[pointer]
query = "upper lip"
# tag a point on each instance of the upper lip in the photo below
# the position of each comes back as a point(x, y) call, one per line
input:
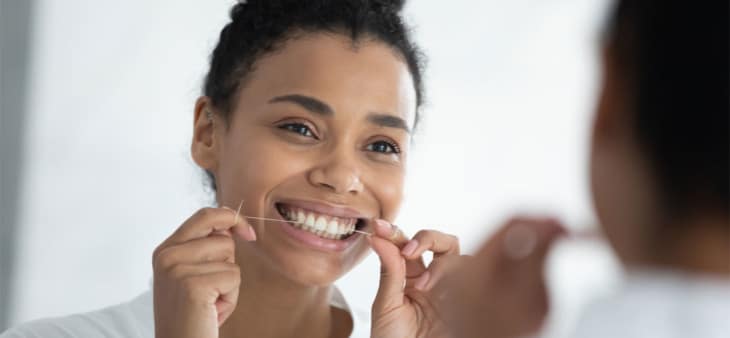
point(325, 208)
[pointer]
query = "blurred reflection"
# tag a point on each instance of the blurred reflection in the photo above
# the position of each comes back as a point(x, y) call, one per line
point(659, 175)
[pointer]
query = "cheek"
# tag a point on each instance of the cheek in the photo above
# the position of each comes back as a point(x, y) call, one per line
point(608, 191)
point(619, 201)
point(251, 167)
point(388, 190)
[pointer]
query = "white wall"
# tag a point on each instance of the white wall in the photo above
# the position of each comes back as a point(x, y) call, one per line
point(510, 87)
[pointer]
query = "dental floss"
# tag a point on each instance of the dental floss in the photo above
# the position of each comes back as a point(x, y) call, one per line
point(238, 212)
point(591, 233)
point(363, 232)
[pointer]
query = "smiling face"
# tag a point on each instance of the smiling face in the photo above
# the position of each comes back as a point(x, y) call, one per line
point(318, 136)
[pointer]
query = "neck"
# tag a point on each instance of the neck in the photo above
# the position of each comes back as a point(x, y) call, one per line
point(700, 246)
point(272, 305)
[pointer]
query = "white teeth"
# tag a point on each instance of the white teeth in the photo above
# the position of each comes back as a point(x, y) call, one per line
point(309, 221)
point(321, 224)
point(334, 227)
point(342, 229)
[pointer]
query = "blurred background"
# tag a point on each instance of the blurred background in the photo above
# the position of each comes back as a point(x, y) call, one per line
point(97, 99)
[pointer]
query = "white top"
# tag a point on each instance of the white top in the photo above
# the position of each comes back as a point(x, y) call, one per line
point(661, 304)
point(135, 319)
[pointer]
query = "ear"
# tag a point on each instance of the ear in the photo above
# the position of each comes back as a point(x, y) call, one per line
point(206, 141)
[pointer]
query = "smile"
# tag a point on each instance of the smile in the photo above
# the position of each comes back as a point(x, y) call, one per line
point(337, 227)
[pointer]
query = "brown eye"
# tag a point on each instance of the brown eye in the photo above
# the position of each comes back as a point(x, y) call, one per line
point(383, 147)
point(298, 128)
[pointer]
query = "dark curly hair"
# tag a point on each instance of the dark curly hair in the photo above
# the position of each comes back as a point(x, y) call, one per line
point(259, 27)
point(674, 56)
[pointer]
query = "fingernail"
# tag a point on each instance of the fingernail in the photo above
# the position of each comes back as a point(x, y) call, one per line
point(252, 233)
point(410, 247)
point(520, 241)
point(383, 225)
point(422, 281)
point(383, 228)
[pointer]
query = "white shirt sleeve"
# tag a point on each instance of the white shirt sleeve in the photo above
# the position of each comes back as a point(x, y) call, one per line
point(133, 319)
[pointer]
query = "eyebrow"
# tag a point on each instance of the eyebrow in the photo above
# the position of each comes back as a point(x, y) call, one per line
point(387, 120)
point(318, 107)
point(306, 102)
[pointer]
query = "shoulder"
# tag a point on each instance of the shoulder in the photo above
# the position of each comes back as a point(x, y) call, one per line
point(130, 319)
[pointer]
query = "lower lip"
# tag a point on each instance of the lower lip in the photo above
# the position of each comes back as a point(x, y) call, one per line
point(317, 242)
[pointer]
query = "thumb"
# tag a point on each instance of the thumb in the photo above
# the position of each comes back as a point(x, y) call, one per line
point(392, 275)
point(522, 239)
point(529, 242)
point(548, 232)
point(241, 226)
point(520, 263)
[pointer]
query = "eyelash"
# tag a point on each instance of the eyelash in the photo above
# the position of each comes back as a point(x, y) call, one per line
point(303, 130)
point(299, 128)
point(394, 147)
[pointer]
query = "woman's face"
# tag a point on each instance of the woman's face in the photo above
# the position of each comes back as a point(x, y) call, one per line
point(318, 135)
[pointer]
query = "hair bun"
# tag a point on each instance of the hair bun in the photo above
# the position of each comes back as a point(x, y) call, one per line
point(238, 9)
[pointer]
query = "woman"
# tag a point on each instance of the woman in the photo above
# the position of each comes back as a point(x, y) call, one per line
point(659, 175)
point(306, 119)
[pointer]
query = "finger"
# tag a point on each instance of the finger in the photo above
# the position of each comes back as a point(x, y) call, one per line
point(427, 240)
point(431, 240)
point(520, 237)
point(547, 234)
point(213, 285)
point(201, 250)
point(393, 234)
point(244, 230)
point(549, 231)
point(392, 275)
point(183, 271)
point(390, 232)
point(436, 272)
point(526, 268)
point(518, 253)
point(206, 221)
point(226, 304)
point(222, 278)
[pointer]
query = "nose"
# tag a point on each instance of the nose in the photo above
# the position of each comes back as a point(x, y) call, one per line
point(338, 174)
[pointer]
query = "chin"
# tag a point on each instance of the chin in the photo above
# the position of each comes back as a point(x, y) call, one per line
point(309, 268)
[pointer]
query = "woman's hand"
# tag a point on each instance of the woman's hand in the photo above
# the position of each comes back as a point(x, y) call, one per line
point(403, 306)
point(501, 291)
point(196, 278)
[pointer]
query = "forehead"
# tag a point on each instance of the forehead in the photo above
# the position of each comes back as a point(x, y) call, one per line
point(351, 77)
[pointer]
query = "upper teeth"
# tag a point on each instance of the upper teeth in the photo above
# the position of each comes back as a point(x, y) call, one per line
point(322, 225)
